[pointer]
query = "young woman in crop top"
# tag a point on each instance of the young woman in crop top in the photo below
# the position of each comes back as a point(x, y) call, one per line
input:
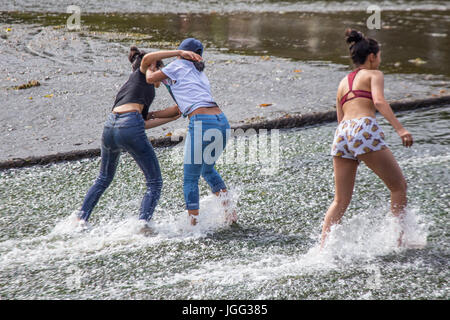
point(208, 125)
point(359, 137)
point(124, 130)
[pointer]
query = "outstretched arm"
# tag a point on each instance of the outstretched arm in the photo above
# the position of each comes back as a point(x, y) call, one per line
point(152, 123)
point(169, 112)
point(377, 87)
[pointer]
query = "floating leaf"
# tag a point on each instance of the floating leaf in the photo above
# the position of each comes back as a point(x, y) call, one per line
point(8, 29)
point(417, 61)
point(48, 95)
point(297, 70)
point(263, 105)
point(169, 134)
point(265, 58)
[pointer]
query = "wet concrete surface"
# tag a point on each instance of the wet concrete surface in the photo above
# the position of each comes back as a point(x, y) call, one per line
point(80, 73)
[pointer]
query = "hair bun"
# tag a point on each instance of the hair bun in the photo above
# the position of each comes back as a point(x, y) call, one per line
point(134, 53)
point(353, 36)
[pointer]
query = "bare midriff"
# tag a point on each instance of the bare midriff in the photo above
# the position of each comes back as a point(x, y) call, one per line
point(206, 110)
point(128, 107)
point(358, 108)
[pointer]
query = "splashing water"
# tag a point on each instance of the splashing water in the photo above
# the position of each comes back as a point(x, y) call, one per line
point(373, 233)
point(271, 253)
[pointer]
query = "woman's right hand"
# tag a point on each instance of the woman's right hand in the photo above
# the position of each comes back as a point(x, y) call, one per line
point(189, 55)
point(407, 139)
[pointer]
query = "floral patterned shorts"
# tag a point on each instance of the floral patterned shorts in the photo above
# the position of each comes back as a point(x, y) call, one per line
point(356, 137)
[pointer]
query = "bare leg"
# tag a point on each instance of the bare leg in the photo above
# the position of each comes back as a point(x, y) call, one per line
point(344, 180)
point(193, 214)
point(386, 167)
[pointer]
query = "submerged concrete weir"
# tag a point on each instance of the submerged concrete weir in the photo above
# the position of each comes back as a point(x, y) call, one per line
point(286, 122)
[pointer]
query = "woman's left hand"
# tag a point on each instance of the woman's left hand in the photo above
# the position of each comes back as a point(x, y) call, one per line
point(407, 139)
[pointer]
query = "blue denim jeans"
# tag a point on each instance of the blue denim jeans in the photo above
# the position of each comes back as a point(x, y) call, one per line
point(205, 142)
point(125, 132)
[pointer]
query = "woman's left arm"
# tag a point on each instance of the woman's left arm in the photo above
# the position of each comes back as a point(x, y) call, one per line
point(377, 88)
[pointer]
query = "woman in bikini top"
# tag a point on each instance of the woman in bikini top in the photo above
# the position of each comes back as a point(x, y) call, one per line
point(359, 137)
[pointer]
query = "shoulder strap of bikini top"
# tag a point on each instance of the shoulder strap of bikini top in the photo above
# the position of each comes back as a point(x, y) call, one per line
point(351, 77)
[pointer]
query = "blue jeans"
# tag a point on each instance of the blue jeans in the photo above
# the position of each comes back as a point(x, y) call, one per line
point(126, 132)
point(205, 142)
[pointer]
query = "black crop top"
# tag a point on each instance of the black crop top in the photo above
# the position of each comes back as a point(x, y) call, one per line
point(136, 90)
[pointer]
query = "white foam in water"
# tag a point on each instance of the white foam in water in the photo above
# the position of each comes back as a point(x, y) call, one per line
point(362, 238)
point(212, 216)
point(69, 239)
point(370, 234)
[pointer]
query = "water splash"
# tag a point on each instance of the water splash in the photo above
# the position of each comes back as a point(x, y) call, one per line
point(69, 239)
point(362, 238)
point(373, 233)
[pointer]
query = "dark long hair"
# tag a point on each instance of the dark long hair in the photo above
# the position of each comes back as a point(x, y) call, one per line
point(199, 65)
point(135, 57)
point(360, 46)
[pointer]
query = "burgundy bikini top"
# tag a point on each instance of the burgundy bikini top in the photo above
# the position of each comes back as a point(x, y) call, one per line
point(356, 93)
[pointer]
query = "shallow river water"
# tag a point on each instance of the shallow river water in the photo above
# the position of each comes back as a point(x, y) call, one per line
point(272, 253)
point(286, 55)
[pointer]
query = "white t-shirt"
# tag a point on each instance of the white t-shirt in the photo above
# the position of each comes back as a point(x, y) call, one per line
point(190, 87)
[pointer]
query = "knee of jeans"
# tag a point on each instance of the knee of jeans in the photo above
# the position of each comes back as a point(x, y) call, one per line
point(190, 178)
point(103, 182)
point(155, 184)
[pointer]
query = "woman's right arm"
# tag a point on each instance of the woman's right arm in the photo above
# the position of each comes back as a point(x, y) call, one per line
point(339, 112)
point(158, 121)
point(377, 88)
point(169, 112)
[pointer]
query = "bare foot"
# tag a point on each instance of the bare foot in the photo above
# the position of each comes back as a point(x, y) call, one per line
point(146, 229)
point(83, 224)
point(194, 220)
point(400, 242)
point(231, 218)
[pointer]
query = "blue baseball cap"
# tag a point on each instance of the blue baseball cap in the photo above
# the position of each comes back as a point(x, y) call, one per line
point(191, 44)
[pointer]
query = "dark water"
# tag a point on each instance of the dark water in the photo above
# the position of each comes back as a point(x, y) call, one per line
point(226, 6)
point(311, 36)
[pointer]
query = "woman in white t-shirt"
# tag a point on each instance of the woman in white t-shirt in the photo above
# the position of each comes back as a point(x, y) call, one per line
point(208, 125)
